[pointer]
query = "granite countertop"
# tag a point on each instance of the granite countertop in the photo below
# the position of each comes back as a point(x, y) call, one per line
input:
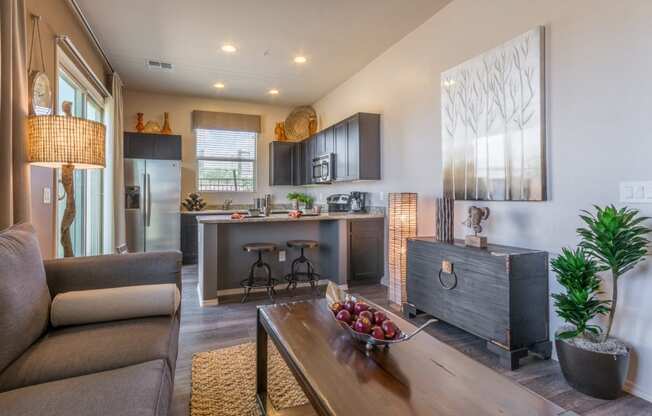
point(226, 219)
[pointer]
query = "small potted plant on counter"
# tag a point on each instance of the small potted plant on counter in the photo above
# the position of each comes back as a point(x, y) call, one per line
point(298, 197)
point(591, 360)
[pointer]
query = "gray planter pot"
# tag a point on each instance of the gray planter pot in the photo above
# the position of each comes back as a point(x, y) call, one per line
point(597, 374)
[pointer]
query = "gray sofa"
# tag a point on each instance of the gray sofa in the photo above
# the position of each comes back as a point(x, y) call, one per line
point(113, 368)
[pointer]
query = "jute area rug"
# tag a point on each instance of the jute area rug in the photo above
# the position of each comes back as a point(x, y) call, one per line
point(224, 382)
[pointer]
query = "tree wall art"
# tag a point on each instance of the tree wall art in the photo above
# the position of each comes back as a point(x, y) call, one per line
point(493, 123)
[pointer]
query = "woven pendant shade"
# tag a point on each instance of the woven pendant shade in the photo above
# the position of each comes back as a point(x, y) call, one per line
point(402, 224)
point(62, 140)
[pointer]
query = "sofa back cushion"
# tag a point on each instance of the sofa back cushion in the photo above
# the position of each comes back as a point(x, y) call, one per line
point(24, 295)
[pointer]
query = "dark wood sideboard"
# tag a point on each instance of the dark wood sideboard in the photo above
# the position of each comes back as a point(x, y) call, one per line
point(499, 293)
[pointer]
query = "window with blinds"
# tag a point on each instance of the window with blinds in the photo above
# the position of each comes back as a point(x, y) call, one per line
point(226, 160)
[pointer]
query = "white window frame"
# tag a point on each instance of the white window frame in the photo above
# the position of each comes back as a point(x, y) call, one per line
point(227, 159)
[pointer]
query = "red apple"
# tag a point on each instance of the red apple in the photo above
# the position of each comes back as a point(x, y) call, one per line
point(377, 332)
point(349, 305)
point(367, 315)
point(359, 307)
point(379, 317)
point(389, 328)
point(344, 316)
point(362, 325)
point(336, 307)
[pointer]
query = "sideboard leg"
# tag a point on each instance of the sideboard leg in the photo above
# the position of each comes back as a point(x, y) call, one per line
point(509, 359)
point(542, 349)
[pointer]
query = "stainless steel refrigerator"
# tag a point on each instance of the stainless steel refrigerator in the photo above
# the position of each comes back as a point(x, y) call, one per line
point(152, 199)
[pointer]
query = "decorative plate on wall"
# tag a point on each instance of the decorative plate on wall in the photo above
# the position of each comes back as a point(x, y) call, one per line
point(301, 123)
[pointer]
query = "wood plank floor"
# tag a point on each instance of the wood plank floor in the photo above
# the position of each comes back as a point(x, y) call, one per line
point(232, 323)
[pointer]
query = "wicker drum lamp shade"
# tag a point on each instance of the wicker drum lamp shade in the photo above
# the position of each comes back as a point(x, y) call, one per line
point(402, 224)
point(66, 142)
point(55, 141)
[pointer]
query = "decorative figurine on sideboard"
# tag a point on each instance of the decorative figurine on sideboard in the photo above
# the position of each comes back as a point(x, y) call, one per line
point(476, 216)
point(194, 202)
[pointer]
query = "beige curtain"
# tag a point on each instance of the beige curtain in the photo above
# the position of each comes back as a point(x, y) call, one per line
point(118, 164)
point(14, 169)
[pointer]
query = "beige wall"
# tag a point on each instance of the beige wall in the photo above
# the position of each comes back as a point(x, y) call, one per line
point(180, 109)
point(56, 19)
point(599, 61)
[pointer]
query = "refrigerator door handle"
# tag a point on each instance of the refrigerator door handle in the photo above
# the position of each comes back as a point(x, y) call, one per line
point(145, 199)
point(149, 201)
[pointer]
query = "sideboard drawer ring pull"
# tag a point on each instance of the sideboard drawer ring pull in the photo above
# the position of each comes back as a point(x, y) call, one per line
point(441, 282)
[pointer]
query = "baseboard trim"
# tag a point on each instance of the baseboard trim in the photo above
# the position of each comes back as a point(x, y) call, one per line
point(634, 390)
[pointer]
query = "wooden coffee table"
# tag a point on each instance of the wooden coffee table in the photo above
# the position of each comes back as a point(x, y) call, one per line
point(420, 377)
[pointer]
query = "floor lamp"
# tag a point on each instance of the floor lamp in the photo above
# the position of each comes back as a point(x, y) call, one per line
point(68, 143)
point(402, 225)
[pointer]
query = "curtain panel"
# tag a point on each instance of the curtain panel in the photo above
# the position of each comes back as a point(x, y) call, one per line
point(14, 168)
point(119, 227)
point(211, 120)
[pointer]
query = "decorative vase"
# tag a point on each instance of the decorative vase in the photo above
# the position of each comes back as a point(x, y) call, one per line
point(140, 127)
point(597, 374)
point(166, 124)
point(445, 218)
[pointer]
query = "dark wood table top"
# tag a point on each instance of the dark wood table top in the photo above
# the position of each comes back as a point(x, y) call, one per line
point(420, 377)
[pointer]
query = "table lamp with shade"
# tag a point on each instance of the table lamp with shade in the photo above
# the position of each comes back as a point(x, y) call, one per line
point(68, 143)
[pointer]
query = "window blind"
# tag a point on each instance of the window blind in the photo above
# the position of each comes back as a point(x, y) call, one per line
point(226, 160)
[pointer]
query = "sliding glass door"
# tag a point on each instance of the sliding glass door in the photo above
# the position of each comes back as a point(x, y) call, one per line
point(86, 229)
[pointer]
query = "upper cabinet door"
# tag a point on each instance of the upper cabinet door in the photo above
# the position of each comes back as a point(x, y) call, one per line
point(319, 144)
point(341, 152)
point(329, 140)
point(353, 148)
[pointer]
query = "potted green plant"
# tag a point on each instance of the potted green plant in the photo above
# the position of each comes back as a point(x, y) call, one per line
point(298, 197)
point(612, 240)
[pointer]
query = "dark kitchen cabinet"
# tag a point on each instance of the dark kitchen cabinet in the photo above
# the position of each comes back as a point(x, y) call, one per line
point(341, 152)
point(366, 251)
point(308, 155)
point(298, 165)
point(281, 163)
point(152, 146)
point(189, 244)
point(320, 144)
point(329, 140)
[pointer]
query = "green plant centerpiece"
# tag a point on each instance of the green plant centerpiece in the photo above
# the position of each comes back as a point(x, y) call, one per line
point(298, 197)
point(612, 240)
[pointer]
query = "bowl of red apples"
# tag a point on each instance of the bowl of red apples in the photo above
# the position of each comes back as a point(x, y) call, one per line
point(366, 323)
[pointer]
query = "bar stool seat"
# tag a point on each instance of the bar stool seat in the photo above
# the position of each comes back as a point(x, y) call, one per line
point(303, 243)
point(253, 282)
point(309, 275)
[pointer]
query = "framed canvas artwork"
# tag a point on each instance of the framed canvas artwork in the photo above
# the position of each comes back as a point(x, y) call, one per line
point(493, 123)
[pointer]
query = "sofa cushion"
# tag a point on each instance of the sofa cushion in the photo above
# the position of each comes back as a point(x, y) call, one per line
point(24, 295)
point(85, 349)
point(139, 390)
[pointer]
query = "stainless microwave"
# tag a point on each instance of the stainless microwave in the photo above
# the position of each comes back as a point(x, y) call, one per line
point(322, 168)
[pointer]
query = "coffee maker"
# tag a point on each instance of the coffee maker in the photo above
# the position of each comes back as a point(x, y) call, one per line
point(357, 201)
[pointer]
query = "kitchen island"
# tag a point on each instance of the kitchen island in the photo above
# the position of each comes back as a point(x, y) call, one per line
point(223, 263)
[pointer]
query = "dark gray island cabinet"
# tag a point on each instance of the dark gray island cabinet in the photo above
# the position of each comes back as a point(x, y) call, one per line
point(499, 293)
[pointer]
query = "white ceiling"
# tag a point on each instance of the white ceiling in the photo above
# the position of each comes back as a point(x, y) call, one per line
point(338, 37)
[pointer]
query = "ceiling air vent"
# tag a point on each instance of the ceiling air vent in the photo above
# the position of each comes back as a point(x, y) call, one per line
point(159, 66)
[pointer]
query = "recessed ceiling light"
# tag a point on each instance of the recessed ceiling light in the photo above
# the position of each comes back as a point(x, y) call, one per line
point(229, 48)
point(300, 60)
point(273, 91)
point(219, 85)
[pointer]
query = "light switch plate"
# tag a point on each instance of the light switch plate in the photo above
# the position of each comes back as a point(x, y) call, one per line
point(636, 192)
point(281, 255)
point(47, 195)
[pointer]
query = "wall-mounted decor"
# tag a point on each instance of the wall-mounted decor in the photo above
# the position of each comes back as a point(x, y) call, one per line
point(301, 123)
point(493, 123)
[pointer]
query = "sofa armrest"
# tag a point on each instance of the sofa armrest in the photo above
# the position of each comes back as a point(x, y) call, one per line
point(102, 272)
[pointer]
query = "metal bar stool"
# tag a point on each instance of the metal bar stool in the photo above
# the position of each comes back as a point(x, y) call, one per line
point(295, 276)
point(253, 281)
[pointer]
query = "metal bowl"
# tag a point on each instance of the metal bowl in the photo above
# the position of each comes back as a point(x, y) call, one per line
point(371, 342)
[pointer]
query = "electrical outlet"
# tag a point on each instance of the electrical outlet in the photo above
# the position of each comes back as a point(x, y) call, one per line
point(47, 195)
point(281, 256)
point(639, 192)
